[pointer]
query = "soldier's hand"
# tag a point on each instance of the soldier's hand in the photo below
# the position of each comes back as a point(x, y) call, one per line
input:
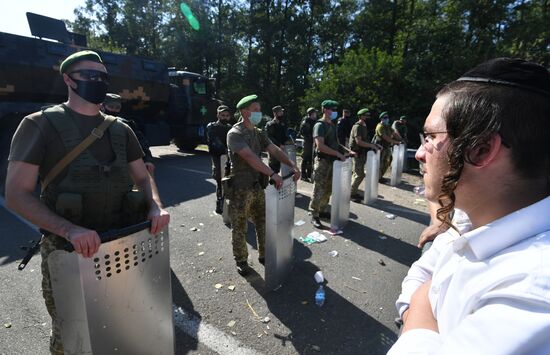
point(430, 233)
point(340, 156)
point(85, 241)
point(159, 219)
point(277, 180)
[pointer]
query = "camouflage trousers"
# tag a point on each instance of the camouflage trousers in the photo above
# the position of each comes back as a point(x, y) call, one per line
point(245, 204)
point(49, 244)
point(385, 160)
point(217, 175)
point(358, 172)
point(322, 186)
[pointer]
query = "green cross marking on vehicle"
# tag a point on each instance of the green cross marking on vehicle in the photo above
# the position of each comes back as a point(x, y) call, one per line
point(203, 110)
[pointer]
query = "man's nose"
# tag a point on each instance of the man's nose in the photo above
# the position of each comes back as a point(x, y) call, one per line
point(420, 154)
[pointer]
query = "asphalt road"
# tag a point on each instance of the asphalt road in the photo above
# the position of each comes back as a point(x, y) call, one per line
point(358, 314)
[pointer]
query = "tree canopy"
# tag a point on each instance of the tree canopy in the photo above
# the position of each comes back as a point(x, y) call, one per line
point(385, 55)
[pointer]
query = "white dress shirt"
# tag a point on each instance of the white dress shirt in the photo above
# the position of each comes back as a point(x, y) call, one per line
point(490, 290)
point(422, 269)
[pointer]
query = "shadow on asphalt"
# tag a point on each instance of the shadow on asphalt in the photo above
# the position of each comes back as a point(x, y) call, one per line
point(339, 327)
point(401, 211)
point(185, 343)
point(15, 234)
point(392, 247)
point(180, 185)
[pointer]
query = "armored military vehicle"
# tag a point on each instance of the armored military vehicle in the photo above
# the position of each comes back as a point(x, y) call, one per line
point(167, 104)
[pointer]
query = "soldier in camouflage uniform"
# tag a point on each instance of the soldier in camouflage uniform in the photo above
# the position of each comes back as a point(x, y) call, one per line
point(359, 143)
point(386, 138)
point(306, 131)
point(216, 136)
point(100, 176)
point(249, 176)
point(327, 150)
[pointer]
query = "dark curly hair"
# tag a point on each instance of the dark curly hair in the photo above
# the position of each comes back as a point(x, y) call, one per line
point(474, 112)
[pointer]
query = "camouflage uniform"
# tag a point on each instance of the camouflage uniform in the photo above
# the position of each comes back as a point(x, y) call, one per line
point(361, 131)
point(87, 180)
point(386, 153)
point(246, 198)
point(322, 180)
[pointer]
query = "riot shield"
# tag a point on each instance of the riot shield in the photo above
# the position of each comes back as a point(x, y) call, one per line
point(225, 212)
point(279, 220)
point(290, 150)
point(398, 155)
point(372, 169)
point(341, 191)
point(119, 301)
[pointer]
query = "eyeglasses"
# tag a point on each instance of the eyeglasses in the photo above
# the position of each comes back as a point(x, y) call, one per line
point(92, 75)
point(426, 138)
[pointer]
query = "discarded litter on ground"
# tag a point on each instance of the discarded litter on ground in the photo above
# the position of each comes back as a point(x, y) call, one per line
point(313, 237)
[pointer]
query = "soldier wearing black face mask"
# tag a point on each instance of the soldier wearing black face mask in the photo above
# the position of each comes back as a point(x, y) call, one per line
point(88, 195)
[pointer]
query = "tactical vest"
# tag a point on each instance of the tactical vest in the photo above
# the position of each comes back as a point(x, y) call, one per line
point(243, 175)
point(91, 194)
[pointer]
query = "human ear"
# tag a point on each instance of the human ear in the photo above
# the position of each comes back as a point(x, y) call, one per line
point(482, 154)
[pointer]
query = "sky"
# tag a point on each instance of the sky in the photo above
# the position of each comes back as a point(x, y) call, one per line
point(13, 17)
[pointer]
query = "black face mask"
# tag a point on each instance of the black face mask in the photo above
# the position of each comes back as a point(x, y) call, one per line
point(111, 113)
point(91, 91)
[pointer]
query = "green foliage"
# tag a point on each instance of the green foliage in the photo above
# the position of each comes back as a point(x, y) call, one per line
point(385, 54)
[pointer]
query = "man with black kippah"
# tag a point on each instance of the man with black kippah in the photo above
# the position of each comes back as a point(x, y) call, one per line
point(486, 153)
point(86, 196)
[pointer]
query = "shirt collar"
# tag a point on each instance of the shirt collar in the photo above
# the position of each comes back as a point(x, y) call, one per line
point(488, 240)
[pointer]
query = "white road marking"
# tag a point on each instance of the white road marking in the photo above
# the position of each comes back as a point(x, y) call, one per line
point(208, 335)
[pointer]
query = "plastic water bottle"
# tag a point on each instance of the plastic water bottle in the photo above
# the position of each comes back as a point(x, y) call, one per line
point(320, 296)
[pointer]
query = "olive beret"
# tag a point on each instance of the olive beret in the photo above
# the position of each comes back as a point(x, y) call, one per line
point(277, 108)
point(330, 104)
point(363, 111)
point(78, 57)
point(112, 99)
point(311, 109)
point(384, 114)
point(247, 100)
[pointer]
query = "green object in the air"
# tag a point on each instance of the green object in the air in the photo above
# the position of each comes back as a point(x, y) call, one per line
point(186, 11)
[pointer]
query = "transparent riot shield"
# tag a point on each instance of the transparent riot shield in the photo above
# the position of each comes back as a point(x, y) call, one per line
point(341, 191)
point(225, 212)
point(398, 155)
point(290, 150)
point(372, 170)
point(117, 302)
point(279, 213)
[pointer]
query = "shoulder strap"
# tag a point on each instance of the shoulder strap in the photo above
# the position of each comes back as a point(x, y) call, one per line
point(97, 133)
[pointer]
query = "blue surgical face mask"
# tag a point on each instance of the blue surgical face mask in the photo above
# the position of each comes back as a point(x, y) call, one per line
point(333, 115)
point(386, 121)
point(255, 118)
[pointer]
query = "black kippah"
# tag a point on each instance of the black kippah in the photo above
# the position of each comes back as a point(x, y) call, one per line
point(512, 72)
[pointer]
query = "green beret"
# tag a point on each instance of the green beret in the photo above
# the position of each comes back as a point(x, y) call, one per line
point(78, 57)
point(223, 108)
point(277, 108)
point(311, 109)
point(363, 111)
point(112, 99)
point(385, 113)
point(403, 118)
point(330, 104)
point(247, 100)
